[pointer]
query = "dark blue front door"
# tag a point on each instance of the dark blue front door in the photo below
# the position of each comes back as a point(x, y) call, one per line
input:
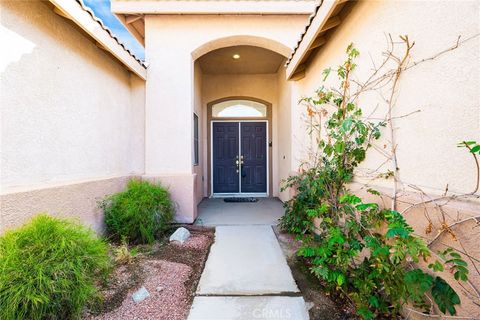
point(254, 152)
point(239, 157)
point(225, 155)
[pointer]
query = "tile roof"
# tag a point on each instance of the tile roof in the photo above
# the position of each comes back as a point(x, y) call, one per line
point(307, 26)
point(110, 32)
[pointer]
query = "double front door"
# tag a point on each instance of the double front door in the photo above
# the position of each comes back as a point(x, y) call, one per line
point(239, 157)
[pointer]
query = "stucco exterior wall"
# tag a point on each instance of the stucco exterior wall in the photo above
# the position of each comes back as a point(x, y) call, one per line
point(199, 168)
point(169, 90)
point(445, 89)
point(284, 129)
point(170, 94)
point(70, 114)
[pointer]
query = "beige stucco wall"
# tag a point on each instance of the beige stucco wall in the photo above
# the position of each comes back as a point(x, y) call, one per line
point(446, 90)
point(284, 130)
point(170, 92)
point(70, 113)
point(199, 168)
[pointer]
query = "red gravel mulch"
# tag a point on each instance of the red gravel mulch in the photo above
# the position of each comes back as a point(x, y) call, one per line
point(170, 273)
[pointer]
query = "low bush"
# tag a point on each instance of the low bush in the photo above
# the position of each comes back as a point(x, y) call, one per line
point(49, 268)
point(139, 214)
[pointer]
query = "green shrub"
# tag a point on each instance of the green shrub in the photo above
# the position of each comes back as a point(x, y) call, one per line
point(48, 269)
point(366, 253)
point(138, 214)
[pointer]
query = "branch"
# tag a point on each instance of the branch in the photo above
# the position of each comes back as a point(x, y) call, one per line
point(476, 219)
point(455, 46)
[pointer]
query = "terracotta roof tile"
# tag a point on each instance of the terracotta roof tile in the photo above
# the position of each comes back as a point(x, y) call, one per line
point(110, 32)
point(307, 26)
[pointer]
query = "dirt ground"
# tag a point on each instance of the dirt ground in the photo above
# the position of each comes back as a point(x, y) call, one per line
point(169, 271)
point(323, 306)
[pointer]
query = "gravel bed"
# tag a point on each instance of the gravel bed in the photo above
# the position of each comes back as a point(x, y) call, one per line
point(169, 272)
point(170, 303)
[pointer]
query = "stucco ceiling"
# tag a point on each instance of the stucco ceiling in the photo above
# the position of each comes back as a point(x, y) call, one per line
point(253, 60)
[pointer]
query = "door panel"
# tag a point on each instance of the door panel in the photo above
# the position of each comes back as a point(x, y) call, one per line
point(254, 152)
point(225, 151)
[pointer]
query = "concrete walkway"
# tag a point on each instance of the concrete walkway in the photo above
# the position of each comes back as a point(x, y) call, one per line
point(216, 212)
point(246, 277)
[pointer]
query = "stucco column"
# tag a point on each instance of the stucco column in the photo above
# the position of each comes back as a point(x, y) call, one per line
point(169, 120)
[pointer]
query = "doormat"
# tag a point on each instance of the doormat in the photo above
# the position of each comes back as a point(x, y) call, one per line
point(250, 199)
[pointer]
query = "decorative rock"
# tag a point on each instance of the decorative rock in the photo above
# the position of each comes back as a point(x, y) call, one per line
point(140, 295)
point(159, 289)
point(309, 305)
point(181, 235)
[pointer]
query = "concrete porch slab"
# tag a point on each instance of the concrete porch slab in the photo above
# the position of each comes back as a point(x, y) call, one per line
point(246, 260)
point(216, 212)
point(248, 308)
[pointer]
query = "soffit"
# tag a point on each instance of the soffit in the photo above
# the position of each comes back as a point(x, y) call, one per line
point(253, 60)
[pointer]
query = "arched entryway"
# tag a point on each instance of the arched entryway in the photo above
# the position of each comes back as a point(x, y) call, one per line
point(239, 140)
point(244, 75)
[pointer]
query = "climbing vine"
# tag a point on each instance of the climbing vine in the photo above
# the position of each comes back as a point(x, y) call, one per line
point(367, 253)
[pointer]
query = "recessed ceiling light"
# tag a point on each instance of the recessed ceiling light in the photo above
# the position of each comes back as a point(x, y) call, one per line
point(236, 56)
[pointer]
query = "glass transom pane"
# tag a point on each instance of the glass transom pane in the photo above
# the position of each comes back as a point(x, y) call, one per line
point(239, 109)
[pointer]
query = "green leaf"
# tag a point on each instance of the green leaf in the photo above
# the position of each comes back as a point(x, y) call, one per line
point(373, 301)
point(326, 73)
point(475, 149)
point(365, 313)
point(418, 283)
point(350, 198)
point(347, 124)
point(324, 207)
point(457, 262)
point(365, 206)
point(436, 266)
point(401, 232)
point(311, 213)
point(444, 296)
point(328, 149)
point(372, 191)
point(339, 147)
point(454, 254)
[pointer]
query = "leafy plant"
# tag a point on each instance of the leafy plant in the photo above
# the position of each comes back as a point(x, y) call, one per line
point(357, 248)
point(472, 146)
point(48, 269)
point(139, 214)
point(124, 254)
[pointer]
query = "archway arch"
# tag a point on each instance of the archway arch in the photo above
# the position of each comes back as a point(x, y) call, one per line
point(242, 40)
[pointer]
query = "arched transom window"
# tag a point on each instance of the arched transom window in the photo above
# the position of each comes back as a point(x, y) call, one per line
point(239, 109)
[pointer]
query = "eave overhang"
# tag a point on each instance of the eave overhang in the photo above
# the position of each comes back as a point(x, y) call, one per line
point(322, 22)
point(82, 16)
point(131, 13)
point(213, 6)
